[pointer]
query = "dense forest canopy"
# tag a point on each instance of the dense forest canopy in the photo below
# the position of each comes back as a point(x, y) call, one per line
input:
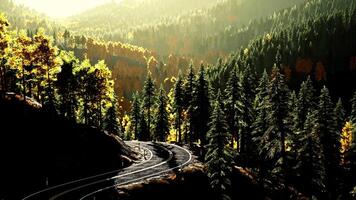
point(266, 86)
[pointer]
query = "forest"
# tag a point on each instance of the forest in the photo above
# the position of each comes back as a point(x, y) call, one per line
point(267, 87)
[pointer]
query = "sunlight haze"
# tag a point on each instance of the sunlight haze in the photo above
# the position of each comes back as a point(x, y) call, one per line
point(63, 8)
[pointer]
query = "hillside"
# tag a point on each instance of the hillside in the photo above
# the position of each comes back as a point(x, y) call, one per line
point(313, 39)
point(126, 15)
point(181, 32)
point(36, 147)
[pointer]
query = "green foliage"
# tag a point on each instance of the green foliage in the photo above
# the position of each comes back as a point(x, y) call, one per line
point(277, 119)
point(340, 115)
point(148, 100)
point(135, 114)
point(201, 107)
point(330, 140)
point(311, 160)
point(179, 106)
point(233, 104)
point(111, 120)
point(219, 156)
point(161, 125)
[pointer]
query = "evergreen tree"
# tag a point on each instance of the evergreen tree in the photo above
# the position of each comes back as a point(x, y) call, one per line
point(143, 132)
point(260, 125)
point(340, 115)
point(248, 82)
point(111, 120)
point(148, 99)
point(190, 84)
point(311, 160)
point(161, 125)
point(218, 157)
point(135, 114)
point(201, 107)
point(178, 107)
point(330, 140)
point(233, 104)
point(277, 118)
point(305, 103)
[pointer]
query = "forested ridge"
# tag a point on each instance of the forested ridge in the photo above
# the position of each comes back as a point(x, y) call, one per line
point(273, 93)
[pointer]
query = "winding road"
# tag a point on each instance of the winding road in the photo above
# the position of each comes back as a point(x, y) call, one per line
point(160, 158)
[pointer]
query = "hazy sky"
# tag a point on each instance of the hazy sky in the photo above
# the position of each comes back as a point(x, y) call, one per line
point(61, 8)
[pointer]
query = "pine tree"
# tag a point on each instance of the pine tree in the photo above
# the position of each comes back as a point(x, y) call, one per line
point(330, 140)
point(161, 125)
point(311, 160)
point(340, 115)
point(201, 107)
point(143, 132)
point(218, 157)
point(111, 120)
point(190, 84)
point(135, 114)
point(178, 107)
point(248, 82)
point(233, 104)
point(277, 118)
point(260, 125)
point(148, 99)
point(305, 103)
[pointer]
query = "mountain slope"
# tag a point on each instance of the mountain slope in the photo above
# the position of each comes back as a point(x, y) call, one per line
point(37, 147)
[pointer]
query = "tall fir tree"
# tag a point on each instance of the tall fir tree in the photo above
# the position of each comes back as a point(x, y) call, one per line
point(148, 100)
point(161, 125)
point(233, 104)
point(111, 119)
point(260, 126)
point(305, 103)
point(311, 160)
point(278, 127)
point(143, 131)
point(340, 115)
point(219, 156)
point(201, 107)
point(248, 82)
point(189, 85)
point(179, 106)
point(330, 140)
point(135, 114)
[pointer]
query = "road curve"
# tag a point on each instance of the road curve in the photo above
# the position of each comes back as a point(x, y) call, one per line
point(162, 158)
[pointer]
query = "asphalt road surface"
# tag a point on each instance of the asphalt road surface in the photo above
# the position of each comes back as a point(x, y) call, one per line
point(160, 158)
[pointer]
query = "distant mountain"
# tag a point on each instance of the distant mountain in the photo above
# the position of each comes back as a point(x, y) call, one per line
point(171, 27)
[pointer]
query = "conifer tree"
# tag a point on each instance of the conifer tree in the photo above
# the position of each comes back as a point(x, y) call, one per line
point(111, 119)
point(201, 107)
point(305, 103)
point(311, 160)
point(143, 132)
point(161, 125)
point(277, 118)
point(178, 107)
point(148, 99)
point(340, 115)
point(260, 125)
point(233, 104)
point(248, 82)
point(330, 140)
point(189, 85)
point(219, 156)
point(135, 114)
